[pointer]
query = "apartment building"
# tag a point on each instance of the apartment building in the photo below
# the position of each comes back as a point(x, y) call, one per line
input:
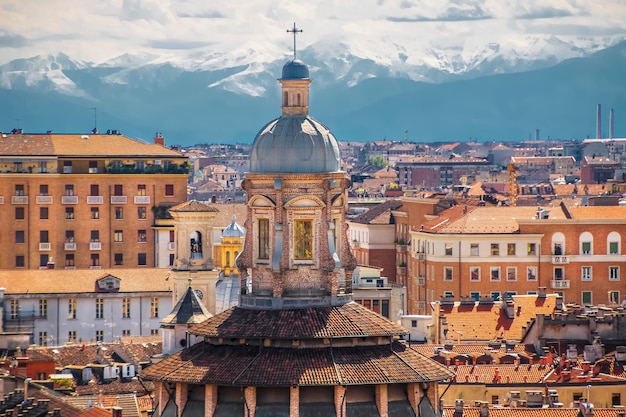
point(84, 201)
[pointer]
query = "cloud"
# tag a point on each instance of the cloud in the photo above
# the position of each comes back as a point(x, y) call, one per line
point(144, 10)
point(9, 40)
point(177, 44)
point(213, 14)
point(454, 13)
point(547, 13)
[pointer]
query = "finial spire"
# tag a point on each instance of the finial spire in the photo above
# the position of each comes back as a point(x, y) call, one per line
point(295, 31)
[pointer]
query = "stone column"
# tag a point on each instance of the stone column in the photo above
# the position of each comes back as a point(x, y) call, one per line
point(382, 400)
point(294, 401)
point(210, 400)
point(249, 396)
point(181, 397)
point(340, 400)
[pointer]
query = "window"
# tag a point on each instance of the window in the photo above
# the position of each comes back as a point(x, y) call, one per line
point(448, 294)
point(141, 236)
point(495, 249)
point(495, 295)
point(475, 295)
point(586, 248)
point(118, 236)
point(586, 297)
point(171, 259)
point(118, 189)
point(172, 236)
point(95, 259)
point(95, 213)
point(93, 165)
point(71, 336)
point(99, 335)
point(118, 259)
point(510, 249)
point(511, 273)
point(19, 213)
point(558, 249)
point(126, 307)
point(585, 273)
point(71, 308)
point(141, 213)
point(19, 261)
point(613, 273)
point(69, 213)
point(448, 249)
point(95, 235)
point(94, 190)
point(473, 249)
point(495, 273)
point(613, 248)
point(43, 213)
point(447, 273)
point(69, 259)
point(264, 239)
point(154, 307)
point(43, 308)
point(99, 308)
point(616, 399)
point(154, 332)
point(141, 259)
point(19, 190)
point(531, 273)
point(43, 260)
point(69, 189)
point(43, 189)
point(15, 309)
point(69, 236)
point(474, 273)
point(119, 213)
point(141, 189)
point(614, 297)
point(43, 236)
point(303, 239)
point(531, 248)
point(169, 190)
point(43, 338)
point(126, 332)
point(19, 236)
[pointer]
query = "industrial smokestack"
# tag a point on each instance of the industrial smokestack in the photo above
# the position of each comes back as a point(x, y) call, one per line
point(611, 124)
point(599, 123)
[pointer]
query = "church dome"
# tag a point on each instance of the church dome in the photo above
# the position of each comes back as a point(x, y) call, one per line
point(295, 70)
point(233, 230)
point(295, 144)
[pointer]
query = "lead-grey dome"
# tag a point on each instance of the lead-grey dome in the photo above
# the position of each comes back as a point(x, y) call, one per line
point(295, 144)
point(295, 70)
point(233, 229)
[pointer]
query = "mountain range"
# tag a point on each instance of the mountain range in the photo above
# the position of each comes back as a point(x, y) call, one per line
point(489, 94)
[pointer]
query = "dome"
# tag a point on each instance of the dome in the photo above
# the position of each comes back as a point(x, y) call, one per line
point(294, 70)
point(295, 144)
point(233, 230)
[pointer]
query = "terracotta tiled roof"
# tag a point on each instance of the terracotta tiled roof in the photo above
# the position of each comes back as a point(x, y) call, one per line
point(138, 349)
point(513, 374)
point(61, 402)
point(194, 206)
point(490, 322)
point(188, 310)
point(81, 145)
point(116, 387)
point(474, 350)
point(598, 212)
point(348, 320)
point(568, 189)
point(76, 355)
point(516, 412)
point(255, 366)
point(379, 214)
point(577, 375)
point(127, 402)
point(48, 281)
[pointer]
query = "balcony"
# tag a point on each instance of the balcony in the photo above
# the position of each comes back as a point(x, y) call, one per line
point(70, 245)
point(95, 267)
point(401, 247)
point(142, 199)
point(69, 199)
point(95, 199)
point(560, 259)
point(45, 246)
point(171, 245)
point(43, 199)
point(420, 256)
point(356, 244)
point(559, 284)
point(119, 199)
point(401, 270)
point(67, 169)
point(95, 245)
point(19, 199)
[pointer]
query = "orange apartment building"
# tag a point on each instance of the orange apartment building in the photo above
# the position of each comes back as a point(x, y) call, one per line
point(476, 252)
point(84, 201)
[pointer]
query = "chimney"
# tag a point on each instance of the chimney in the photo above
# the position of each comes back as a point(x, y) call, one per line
point(26, 382)
point(599, 123)
point(483, 410)
point(116, 412)
point(586, 409)
point(508, 305)
point(611, 113)
point(458, 408)
point(541, 292)
point(159, 139)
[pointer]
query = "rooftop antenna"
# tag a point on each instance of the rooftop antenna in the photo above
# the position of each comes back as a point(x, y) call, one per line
point(295, 31)
point(95, 119)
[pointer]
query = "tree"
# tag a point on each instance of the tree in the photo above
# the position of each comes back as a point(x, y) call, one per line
point(378, 161)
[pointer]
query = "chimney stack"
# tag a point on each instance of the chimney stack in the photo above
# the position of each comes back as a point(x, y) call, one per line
point(599, 123)
point(458, 408)
point(159, 139)
point(116, 412)
point(483, 410)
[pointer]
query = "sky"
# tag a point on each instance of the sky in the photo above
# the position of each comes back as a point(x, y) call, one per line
point(99, 30)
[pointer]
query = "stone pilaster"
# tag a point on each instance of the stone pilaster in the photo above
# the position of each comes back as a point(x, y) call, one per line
point(210, 400)
point(382, 400)
point(161, 396)
point(415, 394)
point(340, 400)
point(249, 395)
point(433, 396)
point(181, 397)
point(294, 401)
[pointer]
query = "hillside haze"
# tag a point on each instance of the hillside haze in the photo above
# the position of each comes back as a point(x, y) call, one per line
point(210, 100)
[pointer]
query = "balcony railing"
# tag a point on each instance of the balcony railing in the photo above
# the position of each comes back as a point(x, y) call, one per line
point(95, 245)
point(95, 199)
point(420, 256)
point(560, 259)
point(19, 199)
point(119, 199)
point(142, 199)
point(95, 267)
point(43, 199)
point(45, 246)
point(559, 283)
point(401, 248)
point(69, 199)
point(70, 245)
